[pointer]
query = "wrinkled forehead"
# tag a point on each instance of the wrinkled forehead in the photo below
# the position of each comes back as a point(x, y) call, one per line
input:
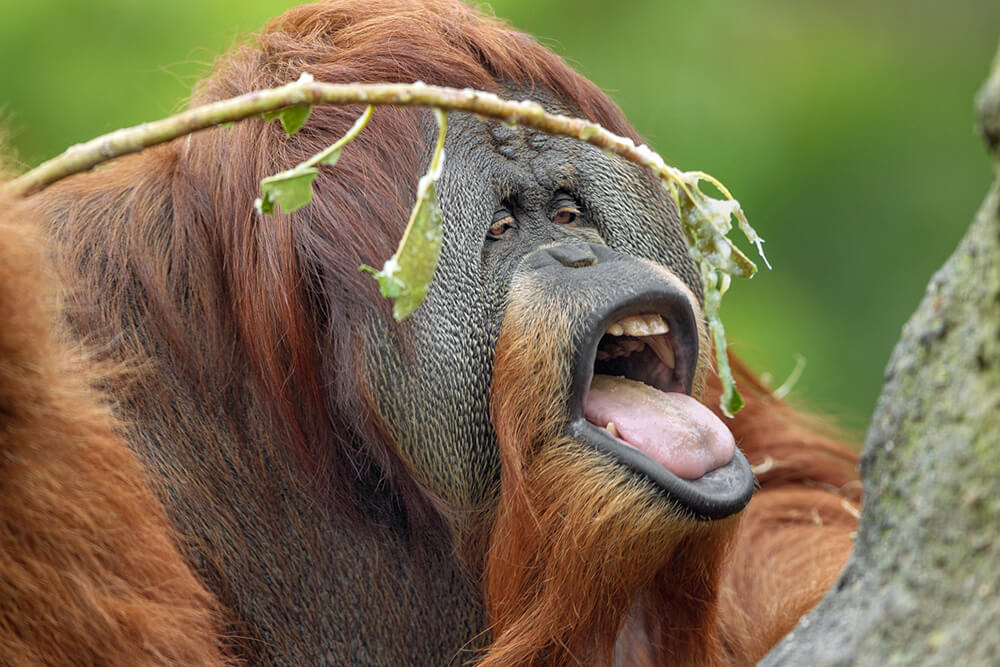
point(493, 164)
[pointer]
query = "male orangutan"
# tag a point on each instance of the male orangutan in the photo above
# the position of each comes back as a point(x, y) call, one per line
point(523, 472)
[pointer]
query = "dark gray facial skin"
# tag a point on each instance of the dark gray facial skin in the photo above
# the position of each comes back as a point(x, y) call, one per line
point(492, 172)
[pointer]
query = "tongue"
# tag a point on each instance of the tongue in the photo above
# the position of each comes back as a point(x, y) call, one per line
point(673, 429)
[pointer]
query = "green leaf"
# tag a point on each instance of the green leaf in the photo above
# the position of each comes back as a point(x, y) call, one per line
point(263, 205)
point(292, 118)
point(732, 402)
point(291, 190)
point(389, 285)
point(407, 275)
point(331, 159)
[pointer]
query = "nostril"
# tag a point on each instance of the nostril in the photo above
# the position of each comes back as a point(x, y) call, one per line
point(573, 256)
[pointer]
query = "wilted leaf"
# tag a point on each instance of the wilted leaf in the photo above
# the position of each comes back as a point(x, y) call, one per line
point(730, 401)
point(706, 221)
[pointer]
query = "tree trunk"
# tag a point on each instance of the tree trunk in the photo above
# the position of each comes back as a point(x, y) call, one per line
point(923, 584)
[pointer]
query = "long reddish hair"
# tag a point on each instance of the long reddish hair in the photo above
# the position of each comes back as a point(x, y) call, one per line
point(219, 284)
point(586, 566)
point(90, 571)
point(582, 550)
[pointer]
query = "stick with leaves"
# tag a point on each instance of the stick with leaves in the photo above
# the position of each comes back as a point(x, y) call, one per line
point(406, 276)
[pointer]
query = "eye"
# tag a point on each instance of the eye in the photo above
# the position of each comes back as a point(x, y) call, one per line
point(566, 215)
point(502, 222)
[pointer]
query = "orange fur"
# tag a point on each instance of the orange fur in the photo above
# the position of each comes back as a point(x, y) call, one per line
point(89, 573)
point(587, 564)
point(797, 532)
point(581, 547)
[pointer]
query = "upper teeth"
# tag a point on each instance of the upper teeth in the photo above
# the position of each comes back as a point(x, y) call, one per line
point(639, 325)
point(650, 328)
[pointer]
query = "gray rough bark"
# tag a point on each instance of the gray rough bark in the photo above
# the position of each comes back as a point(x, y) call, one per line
point(923, 584)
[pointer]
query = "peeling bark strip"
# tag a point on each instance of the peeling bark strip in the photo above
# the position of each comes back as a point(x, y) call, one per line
point(922, 586)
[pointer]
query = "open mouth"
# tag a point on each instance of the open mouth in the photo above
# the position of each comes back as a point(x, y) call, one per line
point(631, 399)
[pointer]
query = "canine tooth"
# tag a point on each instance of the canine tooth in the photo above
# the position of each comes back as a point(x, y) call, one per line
point(657, 325)
point(663, 350)
point(612, 429)
point(635, 325)
point(616, 329)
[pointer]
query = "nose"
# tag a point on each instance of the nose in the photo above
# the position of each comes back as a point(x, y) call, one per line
point(570, 255)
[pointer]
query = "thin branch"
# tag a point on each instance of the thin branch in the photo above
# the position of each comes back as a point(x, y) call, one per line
point(82, 157)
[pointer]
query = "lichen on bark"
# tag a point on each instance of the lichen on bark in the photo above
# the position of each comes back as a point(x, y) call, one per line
point(923, 584)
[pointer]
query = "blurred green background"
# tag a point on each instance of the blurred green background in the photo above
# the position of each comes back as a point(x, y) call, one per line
point(845, 129)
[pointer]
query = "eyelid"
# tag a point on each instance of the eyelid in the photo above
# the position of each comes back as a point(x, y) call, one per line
point(502, 213)
point(565, 199)
point(567, 209)
point(505, 222)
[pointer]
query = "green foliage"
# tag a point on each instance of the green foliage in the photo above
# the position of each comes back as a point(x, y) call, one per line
point(292, 189)
point(714, 279)
point(332, 158)
point(331, 155)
